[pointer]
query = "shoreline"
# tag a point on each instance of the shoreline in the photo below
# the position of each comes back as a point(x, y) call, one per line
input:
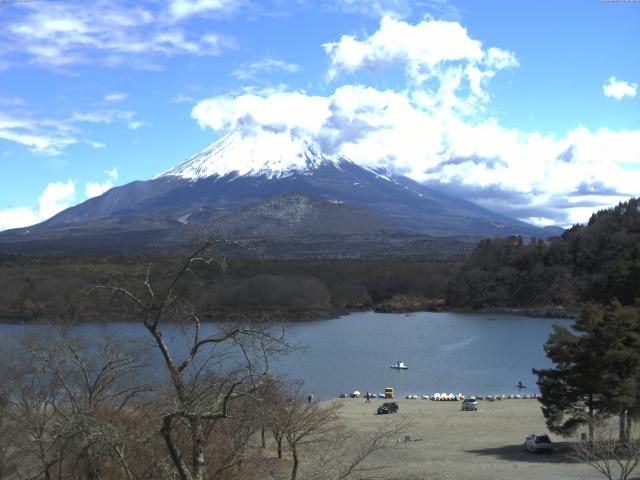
point(310, 316)
point(270, 317)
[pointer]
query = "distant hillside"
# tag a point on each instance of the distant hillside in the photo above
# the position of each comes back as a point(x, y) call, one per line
point(592, 263)
point(298, 202)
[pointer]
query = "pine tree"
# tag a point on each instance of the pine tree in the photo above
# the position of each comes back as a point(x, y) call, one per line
point(596, 372)
point(620, 331)
point(565, 387)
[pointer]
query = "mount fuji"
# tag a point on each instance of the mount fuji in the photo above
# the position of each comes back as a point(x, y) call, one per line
point(279, 194)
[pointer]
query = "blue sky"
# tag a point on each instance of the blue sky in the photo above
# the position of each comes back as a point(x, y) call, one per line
point(529, 108)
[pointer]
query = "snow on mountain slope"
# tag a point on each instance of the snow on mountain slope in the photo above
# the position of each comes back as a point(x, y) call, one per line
point(273, 156)
point(257, 186)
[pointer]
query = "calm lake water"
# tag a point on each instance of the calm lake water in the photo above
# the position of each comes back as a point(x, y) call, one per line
point(446, 352)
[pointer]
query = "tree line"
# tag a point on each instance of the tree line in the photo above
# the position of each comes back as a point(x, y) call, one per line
point(35, 287)
point(594, 263)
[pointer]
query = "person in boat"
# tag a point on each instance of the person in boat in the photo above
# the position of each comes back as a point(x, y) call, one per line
point(520, 386)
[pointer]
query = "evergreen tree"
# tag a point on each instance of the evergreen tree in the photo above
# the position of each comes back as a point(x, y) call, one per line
point(596, 372)
point(620, 332)
point(574, 379)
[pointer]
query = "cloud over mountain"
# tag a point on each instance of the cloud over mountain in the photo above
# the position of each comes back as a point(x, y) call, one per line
point(436, 130)
point(462, 104)
point(56, 197)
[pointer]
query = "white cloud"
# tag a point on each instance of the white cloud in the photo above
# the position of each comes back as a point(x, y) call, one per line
point(552, 178)
point(378, 8)
point(113, 173)
point(52, 136)
point(103, 116)
point(136, 124)
point(436, 130)
point(440, 60)
point(111, 33)
point(182, 98)
point(499, 59)
point(94, 189)
point(56, 197)
point(17, 217)
point(421, 48)
point(280, 111)
point(186, 8)
point(95, 144)
point(115, 97)
point(619, 89)
point(44, 136)
point(108, 117)
point(268, 65)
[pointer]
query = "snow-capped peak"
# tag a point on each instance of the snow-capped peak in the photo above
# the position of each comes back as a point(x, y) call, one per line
point(273, 156)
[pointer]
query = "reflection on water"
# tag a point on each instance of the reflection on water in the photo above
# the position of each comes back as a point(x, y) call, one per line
point(446, 352)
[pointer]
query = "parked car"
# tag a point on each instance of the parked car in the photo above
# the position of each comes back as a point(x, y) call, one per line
point(388, 407)
point(537, 442)
point(470, 403)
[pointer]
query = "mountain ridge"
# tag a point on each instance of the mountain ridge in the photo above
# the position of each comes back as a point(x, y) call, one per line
point(198, 193)
point(242, 156)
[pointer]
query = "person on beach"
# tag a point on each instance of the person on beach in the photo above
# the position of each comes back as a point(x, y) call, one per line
point(367, 398)
point(310, 397)
point(520, 386)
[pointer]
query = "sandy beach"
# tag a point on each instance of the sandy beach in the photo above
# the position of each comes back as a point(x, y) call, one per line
point(447, 443)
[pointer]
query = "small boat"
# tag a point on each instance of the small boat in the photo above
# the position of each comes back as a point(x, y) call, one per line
point(399, 366)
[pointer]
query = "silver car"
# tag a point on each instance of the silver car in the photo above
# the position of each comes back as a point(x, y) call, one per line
point(537, 442)
point(470, 403)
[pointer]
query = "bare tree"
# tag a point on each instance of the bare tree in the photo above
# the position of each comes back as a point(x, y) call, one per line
point(7, 451)
point(351, 453)
point(313, 431)
point(273, 414)
point(613, 458)
point(306, 424)
point(210, 374)
point(31, 397)
point(68, 401)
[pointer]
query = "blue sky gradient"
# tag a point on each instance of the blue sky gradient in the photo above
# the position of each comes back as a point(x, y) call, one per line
point(99, 94)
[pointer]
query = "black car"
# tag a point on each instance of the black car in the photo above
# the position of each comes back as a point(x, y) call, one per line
point(388, 407)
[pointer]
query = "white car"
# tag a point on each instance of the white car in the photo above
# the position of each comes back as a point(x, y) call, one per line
point(537, 442)
point(470, 403)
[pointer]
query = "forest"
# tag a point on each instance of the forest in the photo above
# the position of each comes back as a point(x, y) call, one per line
point(596, 262)
point(54, 288)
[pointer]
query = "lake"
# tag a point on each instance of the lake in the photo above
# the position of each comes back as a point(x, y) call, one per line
point(446, 352)
point(472, 353)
